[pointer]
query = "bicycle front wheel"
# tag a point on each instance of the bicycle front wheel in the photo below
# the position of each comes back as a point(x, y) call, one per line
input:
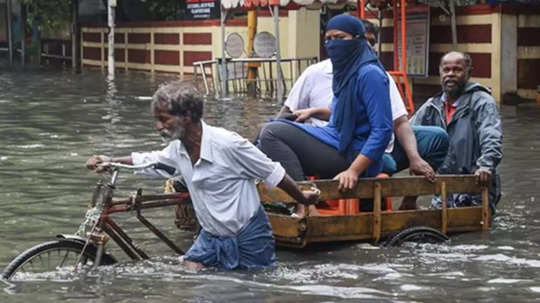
point(50, 257)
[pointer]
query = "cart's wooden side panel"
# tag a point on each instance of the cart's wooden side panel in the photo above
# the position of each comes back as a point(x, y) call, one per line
point(286, 226)
point(288, 231)
point(464, 219)
point(459, 219)
point(277, 194)
point(338, 228)
point(390, 187)
point(414, 186)
point(360, 226)
point(398, 220)
point(295, 232)
point(373, 225)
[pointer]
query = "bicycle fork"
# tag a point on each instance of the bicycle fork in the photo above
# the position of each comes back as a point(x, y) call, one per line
point(99, 239)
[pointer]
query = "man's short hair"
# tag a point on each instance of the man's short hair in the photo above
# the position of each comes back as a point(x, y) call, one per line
point(466, 57)
point(178, 98)
point(371, 27)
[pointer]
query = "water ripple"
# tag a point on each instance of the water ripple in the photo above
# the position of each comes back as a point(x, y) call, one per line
point(52, 121)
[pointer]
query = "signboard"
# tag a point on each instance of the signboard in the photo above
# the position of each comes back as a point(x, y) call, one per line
point(234, 45)
point(417, 38)
point(201, 9)
point(264, 44)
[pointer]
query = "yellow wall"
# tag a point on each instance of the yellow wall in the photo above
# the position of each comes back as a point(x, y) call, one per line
point(300, 26)
point(304, 39)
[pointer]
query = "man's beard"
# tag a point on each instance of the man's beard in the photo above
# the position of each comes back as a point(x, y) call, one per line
point(456, 91)
point(177, 133)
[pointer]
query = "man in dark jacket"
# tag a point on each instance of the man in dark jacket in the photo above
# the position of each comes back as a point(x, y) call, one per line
point(469, 114)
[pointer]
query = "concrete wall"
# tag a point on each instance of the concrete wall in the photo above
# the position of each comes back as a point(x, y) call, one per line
point(174, 46)
point(157, 46)
point(528, 53)
point(304, 38)
point(503, 41)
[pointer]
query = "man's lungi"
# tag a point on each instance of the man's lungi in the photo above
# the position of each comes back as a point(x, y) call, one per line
point(252, 247)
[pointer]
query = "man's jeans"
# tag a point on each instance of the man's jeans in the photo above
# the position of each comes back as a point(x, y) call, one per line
point(432, 144)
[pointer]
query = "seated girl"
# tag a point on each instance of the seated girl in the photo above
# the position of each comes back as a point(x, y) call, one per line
point(360, 127)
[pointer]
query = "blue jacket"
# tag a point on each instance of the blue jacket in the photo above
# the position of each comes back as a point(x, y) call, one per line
point(373, 126)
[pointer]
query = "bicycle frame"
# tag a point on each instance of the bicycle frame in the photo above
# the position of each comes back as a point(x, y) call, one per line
point(99, 226)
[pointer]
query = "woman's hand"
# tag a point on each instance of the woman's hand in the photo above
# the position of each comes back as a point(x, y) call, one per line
point(347, 179)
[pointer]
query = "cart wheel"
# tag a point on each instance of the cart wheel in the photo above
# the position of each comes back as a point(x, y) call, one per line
point(418, 234)
point(50, 256)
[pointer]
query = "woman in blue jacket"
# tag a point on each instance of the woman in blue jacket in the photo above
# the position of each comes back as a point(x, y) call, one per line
point(353, 142)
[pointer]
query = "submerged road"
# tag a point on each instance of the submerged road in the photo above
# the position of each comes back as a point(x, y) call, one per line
point(52, 121)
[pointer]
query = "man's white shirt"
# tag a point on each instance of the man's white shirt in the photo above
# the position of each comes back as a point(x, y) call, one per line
point(314, 89)
point(222, 182)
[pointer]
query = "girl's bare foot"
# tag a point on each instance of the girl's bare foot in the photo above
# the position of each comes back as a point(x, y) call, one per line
point(313, 211)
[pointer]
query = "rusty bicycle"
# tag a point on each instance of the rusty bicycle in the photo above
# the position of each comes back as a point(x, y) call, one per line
point(86, 247)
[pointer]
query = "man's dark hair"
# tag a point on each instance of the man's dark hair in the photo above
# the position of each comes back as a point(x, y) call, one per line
point(371, 27)
point(178, 98)
point(466, 57)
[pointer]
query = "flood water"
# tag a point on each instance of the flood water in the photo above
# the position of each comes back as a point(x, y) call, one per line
point(52, 121)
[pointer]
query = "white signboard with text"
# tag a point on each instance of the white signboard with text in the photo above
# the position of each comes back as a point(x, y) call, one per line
point(264, 44)
point(417, 38)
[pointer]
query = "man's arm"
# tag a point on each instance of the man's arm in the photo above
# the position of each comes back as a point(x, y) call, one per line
point(298, 97)
point(489, 129)
point(284, 112)
point(305, 197)
point(405, 136)
point(164, 157)
point(93, 162)
point(253, 163)
point(321, 113)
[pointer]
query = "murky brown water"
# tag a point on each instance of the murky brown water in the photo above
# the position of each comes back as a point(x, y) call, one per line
point(51, 121)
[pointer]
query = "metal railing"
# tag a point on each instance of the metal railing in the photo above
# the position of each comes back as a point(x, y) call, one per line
point(56, 49)
point(221, 80)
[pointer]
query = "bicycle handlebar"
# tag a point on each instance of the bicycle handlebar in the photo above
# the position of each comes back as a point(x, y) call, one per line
point(122, 165)
point(156, 165)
